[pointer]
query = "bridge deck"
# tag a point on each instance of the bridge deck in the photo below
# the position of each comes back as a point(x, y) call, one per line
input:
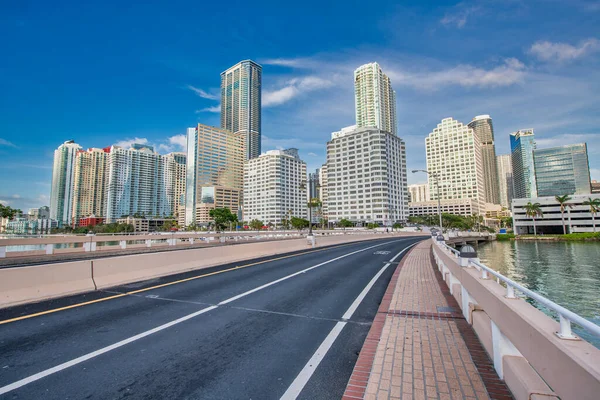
point(420, 346)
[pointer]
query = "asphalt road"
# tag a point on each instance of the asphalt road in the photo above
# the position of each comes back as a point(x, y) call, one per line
point(288, 327)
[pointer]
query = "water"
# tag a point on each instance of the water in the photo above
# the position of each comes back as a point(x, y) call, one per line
point(568, 273)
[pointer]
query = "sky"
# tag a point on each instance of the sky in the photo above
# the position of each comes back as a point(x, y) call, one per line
point(113, 72)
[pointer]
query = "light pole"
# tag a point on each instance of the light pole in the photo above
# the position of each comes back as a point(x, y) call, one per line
point(435, 176)
point(306, 185)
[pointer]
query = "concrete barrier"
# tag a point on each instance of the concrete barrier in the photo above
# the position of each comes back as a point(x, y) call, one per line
point(570, 368)
point(29, 284)
point(116, 271)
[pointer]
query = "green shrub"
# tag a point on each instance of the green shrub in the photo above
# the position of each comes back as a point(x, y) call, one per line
point(505, 236)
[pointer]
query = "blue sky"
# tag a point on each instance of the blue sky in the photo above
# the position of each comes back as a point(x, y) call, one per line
point(103, 73)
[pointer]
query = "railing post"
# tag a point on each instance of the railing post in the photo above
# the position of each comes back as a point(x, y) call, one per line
point(191, 240)
point(565, 329)
point(148, 242)
point(2, 251)
point(49, 249)
point(510, 292)
point(502, 347)
point(123, 244)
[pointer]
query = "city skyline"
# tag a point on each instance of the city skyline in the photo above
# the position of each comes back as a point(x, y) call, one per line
point(543, 80)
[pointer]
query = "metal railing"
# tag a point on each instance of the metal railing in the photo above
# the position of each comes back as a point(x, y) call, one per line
point(566, 317)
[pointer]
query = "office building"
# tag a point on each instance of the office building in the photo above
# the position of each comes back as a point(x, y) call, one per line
point(484, 130)
point(275, 187)
point(418, 192)
point(577, 217)
point(522, 144)
point(241, 103)
point(323, 193)
point(375, 100)
point(90, 190)
point(454, 155)
point(138, 183)
point(63, 172)
point(214, 172)
point(595, 186)
point(366, 177)
point(505, 179)
point(177, 164)
point(462, 207)
point(562, 170)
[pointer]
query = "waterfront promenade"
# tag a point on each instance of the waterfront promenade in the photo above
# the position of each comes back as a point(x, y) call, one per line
point(420, 346)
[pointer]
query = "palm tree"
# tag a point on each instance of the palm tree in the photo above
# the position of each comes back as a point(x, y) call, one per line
point(562, 200)
point(594, 208)
point(533, 210)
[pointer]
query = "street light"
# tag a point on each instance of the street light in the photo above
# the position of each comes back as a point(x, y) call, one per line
point(311, 180)
point(437, 186)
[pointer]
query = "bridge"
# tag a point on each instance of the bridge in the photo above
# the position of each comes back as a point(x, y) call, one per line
point(358, 316)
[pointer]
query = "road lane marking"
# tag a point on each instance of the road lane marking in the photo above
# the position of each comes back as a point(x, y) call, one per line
point(116, 296)
point(60, 367)
point(294, 390)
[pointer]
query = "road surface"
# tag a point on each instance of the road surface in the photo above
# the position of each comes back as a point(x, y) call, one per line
point(281, 327)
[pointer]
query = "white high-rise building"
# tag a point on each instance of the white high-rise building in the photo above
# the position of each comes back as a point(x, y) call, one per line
point(90, 184)
point(419, 192)
point(323, 194)
point(176, 164)
point(63, 173)
point(139, 182)
point(454, 155)
point(505, 180)
point(375, 100)
point(275, 187)
point(366, 177)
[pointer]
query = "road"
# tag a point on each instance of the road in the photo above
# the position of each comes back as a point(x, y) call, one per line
point(285, 327)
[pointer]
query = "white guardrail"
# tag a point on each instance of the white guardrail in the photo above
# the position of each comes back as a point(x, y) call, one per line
point(566, 317)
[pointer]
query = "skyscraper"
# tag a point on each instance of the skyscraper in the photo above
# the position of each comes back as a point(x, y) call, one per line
point(483, 128)
point(63, 172)
point(214, 171)
point(454, 155)
point(375, 100)
point(90, 184)
point(522, 144)
point(562, 170)
point(273, 187)
point(419, 192)
point(176, 164)
point(366, 177)
point(138, 183)
point(505, 180)
point(241, 103)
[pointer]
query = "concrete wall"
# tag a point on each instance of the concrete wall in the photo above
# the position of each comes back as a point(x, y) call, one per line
point(521, 340)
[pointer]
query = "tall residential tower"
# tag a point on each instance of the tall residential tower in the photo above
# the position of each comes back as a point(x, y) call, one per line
point(505, 180)
point(483, 128)
point(375, 100)
point(241, 103)
point(63, 174)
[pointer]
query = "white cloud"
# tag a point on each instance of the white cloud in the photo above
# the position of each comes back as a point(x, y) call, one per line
point(179, 141)
point(4, 142)
point(567, 138)
point(459, 16)
point(127, 143)
point(269, 143)
point(293, 88)
point(215, 109)
point(313, 154)
point(562, 52)
point(510, 72)
point(202, 93)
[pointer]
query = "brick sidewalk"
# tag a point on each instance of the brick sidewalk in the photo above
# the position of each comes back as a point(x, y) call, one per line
point(416, 347)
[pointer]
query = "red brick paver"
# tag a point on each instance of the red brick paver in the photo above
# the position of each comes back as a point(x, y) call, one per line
point(417, 350)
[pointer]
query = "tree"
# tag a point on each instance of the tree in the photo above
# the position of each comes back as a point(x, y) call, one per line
point(533, 210)
point(299, 223)
point(256, 224)
point(562, 200)
point(372, 226)
point(344, 223)
point(397, 225)
point(222, 217)
point(507, 221)
point(9, 212)
point(594, 205)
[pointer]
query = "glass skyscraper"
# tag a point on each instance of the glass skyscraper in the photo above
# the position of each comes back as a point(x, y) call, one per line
point(63, 174)
point(562, 170)
point(505, 180)
point(522, 144)
point(241, 103)
point(483, 128)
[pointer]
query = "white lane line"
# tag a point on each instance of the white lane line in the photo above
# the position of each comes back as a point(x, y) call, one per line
point(60, 367)
point(293, 391)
